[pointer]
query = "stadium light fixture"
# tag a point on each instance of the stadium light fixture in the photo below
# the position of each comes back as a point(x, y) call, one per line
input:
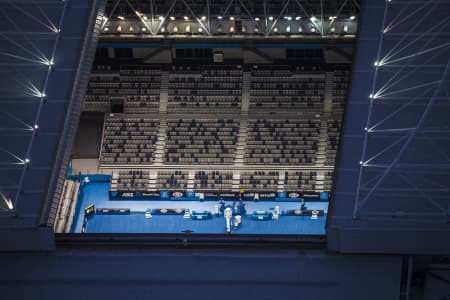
point(106, 29)
point(298, 18)
point(288, 28)
point(40, 95)
point(270, 18)
point(119, 28)
point(203, 18)
point(313, 18)
point(121, 18)
point(7, 201)
point(36, 126)
point(186, 18)
point(145, 18)
point(256, 19)
point(352, 17)
point(172, 18)
point(143, 29)
point(289, 18)
point(231, 18)
point(200, 29)
point(131, 28)
point(161, 18)
point(219, 17)
point(27, 160)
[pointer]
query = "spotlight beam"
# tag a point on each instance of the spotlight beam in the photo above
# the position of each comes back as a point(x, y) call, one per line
point(51, 26)
point(394, 50)
point(409, 139)
point(390, 82)
point(417, 54)
point(7, 201)
point(380, 95)
point(392, 24)
point(366, 163)
point(389, 116)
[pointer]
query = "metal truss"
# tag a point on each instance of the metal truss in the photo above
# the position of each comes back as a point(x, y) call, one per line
point(405, 162)
point(231, 17)
point(29, 35)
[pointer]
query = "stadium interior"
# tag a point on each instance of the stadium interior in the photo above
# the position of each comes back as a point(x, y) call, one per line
point(195, 136)
point(231, 136)
point(248, 149)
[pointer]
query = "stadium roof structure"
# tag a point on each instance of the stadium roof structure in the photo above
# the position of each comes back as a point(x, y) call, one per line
point(206, 18)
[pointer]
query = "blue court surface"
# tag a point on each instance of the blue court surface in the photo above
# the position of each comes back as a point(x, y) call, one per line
point(97, 193)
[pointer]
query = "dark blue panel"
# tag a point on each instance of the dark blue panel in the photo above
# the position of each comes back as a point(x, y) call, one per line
point(392, 192)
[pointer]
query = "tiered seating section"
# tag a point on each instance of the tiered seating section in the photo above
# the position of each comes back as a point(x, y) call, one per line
point(128, 139)
point(213, 180)
point(130, 180)
point(194, 138)
point(138, 86)
point(333, 132)
point(297, 180)
point(282, 142)
point(205, 88)
point(341, 80)
point(286, 90)
point(172, 180)
point(260, 180)
point(328, 181)
point(201, 141)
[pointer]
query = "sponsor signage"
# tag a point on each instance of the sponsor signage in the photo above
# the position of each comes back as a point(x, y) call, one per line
point(114, 195)
point(248, 195)
point(264, 195)
point(308, 195)
point(219, 194)
point(177, 194)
